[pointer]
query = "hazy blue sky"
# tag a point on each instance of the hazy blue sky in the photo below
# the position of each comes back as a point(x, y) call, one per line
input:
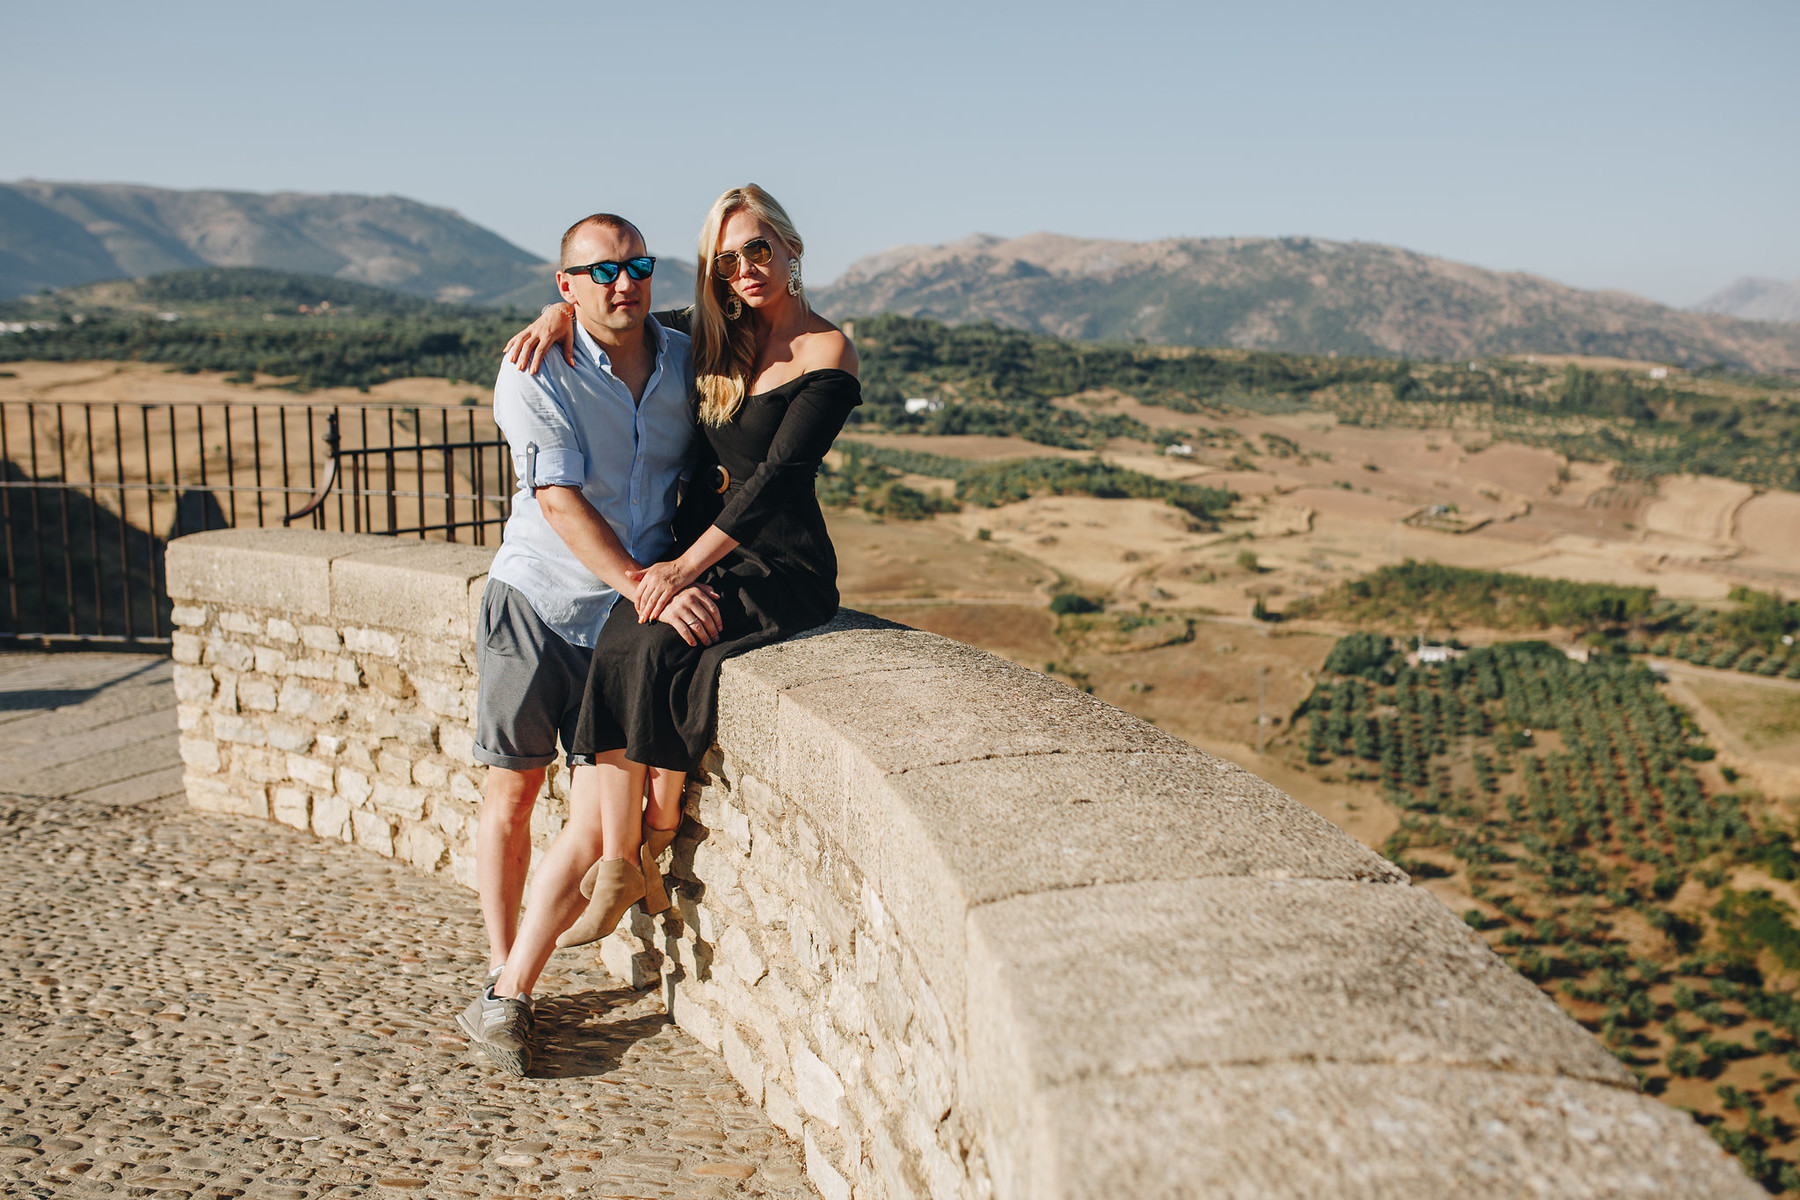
point(1647, 146)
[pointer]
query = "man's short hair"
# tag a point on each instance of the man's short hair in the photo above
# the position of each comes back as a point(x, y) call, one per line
point(604, 220)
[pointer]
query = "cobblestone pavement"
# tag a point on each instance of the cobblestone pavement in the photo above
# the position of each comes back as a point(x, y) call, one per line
point(224, 1007)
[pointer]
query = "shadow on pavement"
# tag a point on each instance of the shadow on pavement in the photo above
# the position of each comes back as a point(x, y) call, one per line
point(49, 698)
point(576, 1040)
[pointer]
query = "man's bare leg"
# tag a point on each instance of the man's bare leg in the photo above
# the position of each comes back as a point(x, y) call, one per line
point(503, 853)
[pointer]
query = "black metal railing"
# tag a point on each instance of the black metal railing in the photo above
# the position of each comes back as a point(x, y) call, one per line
point(92, 493)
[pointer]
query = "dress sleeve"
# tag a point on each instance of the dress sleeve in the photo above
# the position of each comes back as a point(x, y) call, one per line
point(814, 416)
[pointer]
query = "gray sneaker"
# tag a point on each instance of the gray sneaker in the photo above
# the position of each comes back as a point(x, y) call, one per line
point(501, 1027)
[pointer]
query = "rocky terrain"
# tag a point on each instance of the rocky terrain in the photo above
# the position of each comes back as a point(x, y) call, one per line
point(1301, 294)
point(1756, 300)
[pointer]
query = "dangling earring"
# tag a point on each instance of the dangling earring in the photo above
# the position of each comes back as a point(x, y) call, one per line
point(735, 309)
point(793, 277)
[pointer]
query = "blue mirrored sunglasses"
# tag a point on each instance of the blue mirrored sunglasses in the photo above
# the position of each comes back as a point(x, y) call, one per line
point(606, 272)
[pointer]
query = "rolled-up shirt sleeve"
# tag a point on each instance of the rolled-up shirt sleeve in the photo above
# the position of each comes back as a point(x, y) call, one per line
point(814, 417)
point(539, 434)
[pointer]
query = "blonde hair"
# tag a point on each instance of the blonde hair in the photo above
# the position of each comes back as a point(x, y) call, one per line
point(725, 350)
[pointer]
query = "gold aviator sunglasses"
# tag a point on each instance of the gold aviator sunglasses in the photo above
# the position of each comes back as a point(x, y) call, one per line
point(757, 252)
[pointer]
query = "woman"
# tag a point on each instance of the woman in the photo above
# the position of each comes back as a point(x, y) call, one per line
point(774, 382)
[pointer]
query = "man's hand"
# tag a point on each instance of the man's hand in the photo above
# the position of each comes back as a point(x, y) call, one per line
point(657, 584)
point(694, 614)
point(528, 346)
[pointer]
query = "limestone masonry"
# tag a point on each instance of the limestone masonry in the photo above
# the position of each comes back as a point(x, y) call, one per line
point(960, 930)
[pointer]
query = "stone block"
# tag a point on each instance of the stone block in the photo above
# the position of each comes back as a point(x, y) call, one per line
point(1279, 1130)
point(416, 587)
point(193, 685)
point(297, 700)
point(225, 698)
point(632, 966)
point(836, 739)
point(738, 954)
point(321, 637)
point(228, 728)
point(408, 802)
point(237, 622)
point(202, 754)
point(190, 615)
point(279, 630)
point(458, 742)
point(817, 1087)
point(420, 847)
point(371, 641)
point(417, 731)
point(464, 789)
point(353, 786)
point(393, 765)
point(282, 570)
point(233, 656)
point(186, 647)
point(445, 699)
point(292, 806)
point(384, 677)
point(1233, 970)
point(741, 1061)
point(373, 832)
point(284, 735)
point(694, 1016)
point(256, 693)
point(270, 661)
point(782, 1110)
point(238, 797)
point(311, 772)
point(331, 818)
point(191, 718)
point(431, 773)
point(824, 1175)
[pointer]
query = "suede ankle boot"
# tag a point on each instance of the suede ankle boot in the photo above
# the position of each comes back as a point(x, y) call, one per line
point(611, 886)
point(656, 897)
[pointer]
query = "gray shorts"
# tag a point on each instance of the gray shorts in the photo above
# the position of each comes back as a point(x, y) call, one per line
point(531, 683)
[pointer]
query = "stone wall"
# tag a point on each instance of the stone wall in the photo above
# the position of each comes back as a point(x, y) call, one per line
point(960, 930)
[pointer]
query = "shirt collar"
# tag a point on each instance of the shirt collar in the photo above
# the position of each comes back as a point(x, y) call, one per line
point(586, 345)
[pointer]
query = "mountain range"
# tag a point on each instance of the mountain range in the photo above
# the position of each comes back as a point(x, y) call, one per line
point(53, 235)
point(1296, 293)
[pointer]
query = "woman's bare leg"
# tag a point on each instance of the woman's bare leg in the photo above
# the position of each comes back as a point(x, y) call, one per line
point(663, 807)
point(605, 819)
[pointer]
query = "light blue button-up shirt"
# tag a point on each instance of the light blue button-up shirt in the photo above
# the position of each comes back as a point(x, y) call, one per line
point(578, 426)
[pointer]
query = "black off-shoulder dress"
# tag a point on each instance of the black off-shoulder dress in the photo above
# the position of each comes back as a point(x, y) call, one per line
point(649, 692)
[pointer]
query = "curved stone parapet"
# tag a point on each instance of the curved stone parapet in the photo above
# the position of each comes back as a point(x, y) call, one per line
point(962, 931)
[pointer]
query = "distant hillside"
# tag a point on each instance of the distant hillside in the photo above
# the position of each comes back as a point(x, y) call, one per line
point(53, 235)
point(226, 292)
point(1297, 294)
point(1756, 300)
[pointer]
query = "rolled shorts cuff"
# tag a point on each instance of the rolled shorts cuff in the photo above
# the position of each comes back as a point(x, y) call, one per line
point(511, 762)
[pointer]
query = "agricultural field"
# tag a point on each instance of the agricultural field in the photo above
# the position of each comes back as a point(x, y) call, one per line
point(1563, 808)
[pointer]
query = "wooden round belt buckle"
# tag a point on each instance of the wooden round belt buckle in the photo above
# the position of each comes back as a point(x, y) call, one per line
point(724, 480)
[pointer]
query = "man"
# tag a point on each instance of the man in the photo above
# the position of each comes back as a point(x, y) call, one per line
point(599, 446)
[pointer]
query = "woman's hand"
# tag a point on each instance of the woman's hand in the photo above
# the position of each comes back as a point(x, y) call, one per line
point(555, 324)
point(694, 615)
point(657, 584)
